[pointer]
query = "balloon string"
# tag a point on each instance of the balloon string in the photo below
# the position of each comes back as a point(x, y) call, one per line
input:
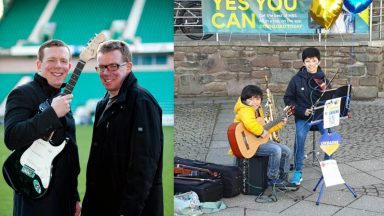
point(325, 56)
point(338, 31)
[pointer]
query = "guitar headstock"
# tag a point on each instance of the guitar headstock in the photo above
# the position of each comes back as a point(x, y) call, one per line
point(91, 50)
point(289, 110)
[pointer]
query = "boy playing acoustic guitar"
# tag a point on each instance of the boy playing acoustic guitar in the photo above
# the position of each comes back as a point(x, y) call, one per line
point(248, 109)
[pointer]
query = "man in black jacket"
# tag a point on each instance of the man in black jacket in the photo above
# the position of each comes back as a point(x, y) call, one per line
point(302, 92)
point(125, 163)
point(24, 124)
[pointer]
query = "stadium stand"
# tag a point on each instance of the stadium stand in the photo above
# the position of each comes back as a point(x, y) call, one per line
point(18, 23)
point(77, 20)
point(149, 30)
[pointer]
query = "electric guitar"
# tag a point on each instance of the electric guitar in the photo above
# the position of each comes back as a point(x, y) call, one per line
point(243, 143)
point(29, 170)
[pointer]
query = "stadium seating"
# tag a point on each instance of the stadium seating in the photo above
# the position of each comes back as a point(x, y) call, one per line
point(76, 21)
point(19, 20)
point(151, 31)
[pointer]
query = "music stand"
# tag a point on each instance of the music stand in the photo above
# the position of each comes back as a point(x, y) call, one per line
point(344, 93)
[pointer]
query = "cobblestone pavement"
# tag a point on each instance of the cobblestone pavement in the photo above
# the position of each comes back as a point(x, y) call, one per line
point(200, 133)
point(362, 134)
point(193, 129)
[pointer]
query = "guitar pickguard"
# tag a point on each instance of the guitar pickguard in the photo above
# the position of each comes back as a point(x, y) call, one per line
point(39, 157)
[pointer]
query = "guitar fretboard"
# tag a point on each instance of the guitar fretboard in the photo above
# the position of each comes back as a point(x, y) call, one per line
point(74, 77)
point(269, 125)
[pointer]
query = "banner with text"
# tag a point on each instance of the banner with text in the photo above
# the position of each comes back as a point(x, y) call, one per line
point(274, 16)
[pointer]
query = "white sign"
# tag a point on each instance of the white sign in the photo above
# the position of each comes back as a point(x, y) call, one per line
point(331, 173)
point(332, 113)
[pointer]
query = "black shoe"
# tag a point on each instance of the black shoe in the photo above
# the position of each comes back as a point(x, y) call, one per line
point(283, 185)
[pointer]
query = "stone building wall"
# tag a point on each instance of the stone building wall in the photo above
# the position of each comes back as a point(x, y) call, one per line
point(224, 68)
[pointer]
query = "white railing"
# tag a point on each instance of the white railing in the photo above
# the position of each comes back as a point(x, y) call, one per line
point(376, 21)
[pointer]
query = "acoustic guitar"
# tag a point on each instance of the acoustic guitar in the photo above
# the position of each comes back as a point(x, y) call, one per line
point(29, 170)
point(243, 143)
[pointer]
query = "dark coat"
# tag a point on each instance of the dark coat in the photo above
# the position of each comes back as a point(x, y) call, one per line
point(302, 91)
point(124, 169)
point(23, 125)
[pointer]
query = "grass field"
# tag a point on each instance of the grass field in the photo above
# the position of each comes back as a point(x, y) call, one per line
point(84, 134)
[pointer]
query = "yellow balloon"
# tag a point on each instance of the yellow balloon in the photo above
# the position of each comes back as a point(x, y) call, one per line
point(325, 12)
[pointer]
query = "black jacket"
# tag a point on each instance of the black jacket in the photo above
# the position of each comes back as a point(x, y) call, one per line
point(302, 91)
point(125, 163)
point(23, 125)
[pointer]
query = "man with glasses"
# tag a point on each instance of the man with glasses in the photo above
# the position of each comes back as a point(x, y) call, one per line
point(302, 92)
point(35, 110)
point(125, 163)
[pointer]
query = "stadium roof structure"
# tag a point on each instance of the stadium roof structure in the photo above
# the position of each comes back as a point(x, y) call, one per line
point(145, 24)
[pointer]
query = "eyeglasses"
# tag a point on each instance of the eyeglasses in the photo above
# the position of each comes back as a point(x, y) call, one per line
point(110, 67)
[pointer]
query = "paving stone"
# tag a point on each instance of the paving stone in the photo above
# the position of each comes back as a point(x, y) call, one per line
point(337, 198)
point(220, 156)
point(367, 165)
point(252, 212)
point(356, 212)
point(232, 211)
point(360, 179)
point(369, 203)
point(377, 173)
point(310, 208)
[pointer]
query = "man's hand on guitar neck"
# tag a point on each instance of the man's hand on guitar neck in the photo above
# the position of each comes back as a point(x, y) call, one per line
point(61, 104)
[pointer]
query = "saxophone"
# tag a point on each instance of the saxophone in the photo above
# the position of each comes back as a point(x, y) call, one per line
point(271, 112)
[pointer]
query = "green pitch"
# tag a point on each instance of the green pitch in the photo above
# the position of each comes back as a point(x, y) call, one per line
point(84, 134)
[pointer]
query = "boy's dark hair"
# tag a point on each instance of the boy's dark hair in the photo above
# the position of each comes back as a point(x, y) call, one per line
point(250, 91)
point(51, 43)
point(310, 52)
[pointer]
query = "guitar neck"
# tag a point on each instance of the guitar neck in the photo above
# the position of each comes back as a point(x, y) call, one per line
point(269, 125)
point(74, 77)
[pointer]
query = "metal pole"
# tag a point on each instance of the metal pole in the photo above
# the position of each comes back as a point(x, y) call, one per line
point(370, 22)
point(381, 18)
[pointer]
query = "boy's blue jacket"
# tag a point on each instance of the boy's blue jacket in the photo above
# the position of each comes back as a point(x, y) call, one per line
point(302, 91)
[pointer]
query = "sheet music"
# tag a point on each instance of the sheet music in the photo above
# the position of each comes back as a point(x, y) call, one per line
point(332, 113)
point(331, 173)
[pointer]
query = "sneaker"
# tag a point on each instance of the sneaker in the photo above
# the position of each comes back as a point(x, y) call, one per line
point(283, 176)
point(296, 178)
point(282, 184)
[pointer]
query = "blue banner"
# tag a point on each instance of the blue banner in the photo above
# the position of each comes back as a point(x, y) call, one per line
point(273, 16)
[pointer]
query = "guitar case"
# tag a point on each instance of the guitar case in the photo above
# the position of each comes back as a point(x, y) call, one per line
point(208, 191)
point(230, 175)
point(254, 175)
